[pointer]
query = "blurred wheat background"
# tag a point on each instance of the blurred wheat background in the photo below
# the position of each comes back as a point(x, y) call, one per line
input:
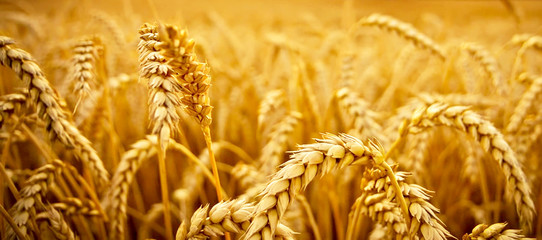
point(160, 119)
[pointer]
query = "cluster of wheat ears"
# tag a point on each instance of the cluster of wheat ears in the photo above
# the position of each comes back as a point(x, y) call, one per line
point(367, 129)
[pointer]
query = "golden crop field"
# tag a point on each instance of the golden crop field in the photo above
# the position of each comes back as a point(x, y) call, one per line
point(162, 119)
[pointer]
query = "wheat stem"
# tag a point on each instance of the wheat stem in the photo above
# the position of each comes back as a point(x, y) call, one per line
point(165, 193)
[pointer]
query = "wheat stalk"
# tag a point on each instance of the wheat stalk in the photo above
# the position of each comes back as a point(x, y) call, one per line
point(49, 108)
point(492, 141)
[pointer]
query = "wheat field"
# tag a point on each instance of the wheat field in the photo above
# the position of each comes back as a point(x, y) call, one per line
point(161, 119)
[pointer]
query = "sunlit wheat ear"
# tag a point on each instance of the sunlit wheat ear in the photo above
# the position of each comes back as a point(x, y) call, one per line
point(230, 216)
point(404, 30)
point(58, 226)
point(193, 75)
point(305, 164)
point(272, 153)
point(85, 54)
point(493, 232)
point(163, 87)
point(49, 107)
point(527, 100)
point(492, 141)
point(489, 65)
point(377, 201)
point(31, 194)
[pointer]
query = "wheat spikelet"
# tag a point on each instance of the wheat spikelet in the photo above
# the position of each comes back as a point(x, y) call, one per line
point(492, 141)
point(493, 232)
point(488, 63)
point(404, 30)
point(229, 216)
point(527, 101)
point(61, 230)
point(31, 194)
point(49, 108)
point(377, 201)
point(272, 152)
point(294, 176)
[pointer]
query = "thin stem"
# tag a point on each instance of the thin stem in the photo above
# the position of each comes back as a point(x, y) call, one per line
point(8, 218)
point(310, 216)
point(209, 142)
point(398, 192)
point(165, 192)
point(195, 159)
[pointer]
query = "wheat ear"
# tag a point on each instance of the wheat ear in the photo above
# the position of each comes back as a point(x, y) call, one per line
point(195, 81)
point(84, 70)
point(488, 63)
point(527, 101)
point(492, 141)
point(364, 119)
point(11, 104)
point(60, 228)
point(57, 119)
point(404, 30)
point(272, 153)
point(493, 232)
point(295, 175)
point(377, 202)
point(229, 216)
